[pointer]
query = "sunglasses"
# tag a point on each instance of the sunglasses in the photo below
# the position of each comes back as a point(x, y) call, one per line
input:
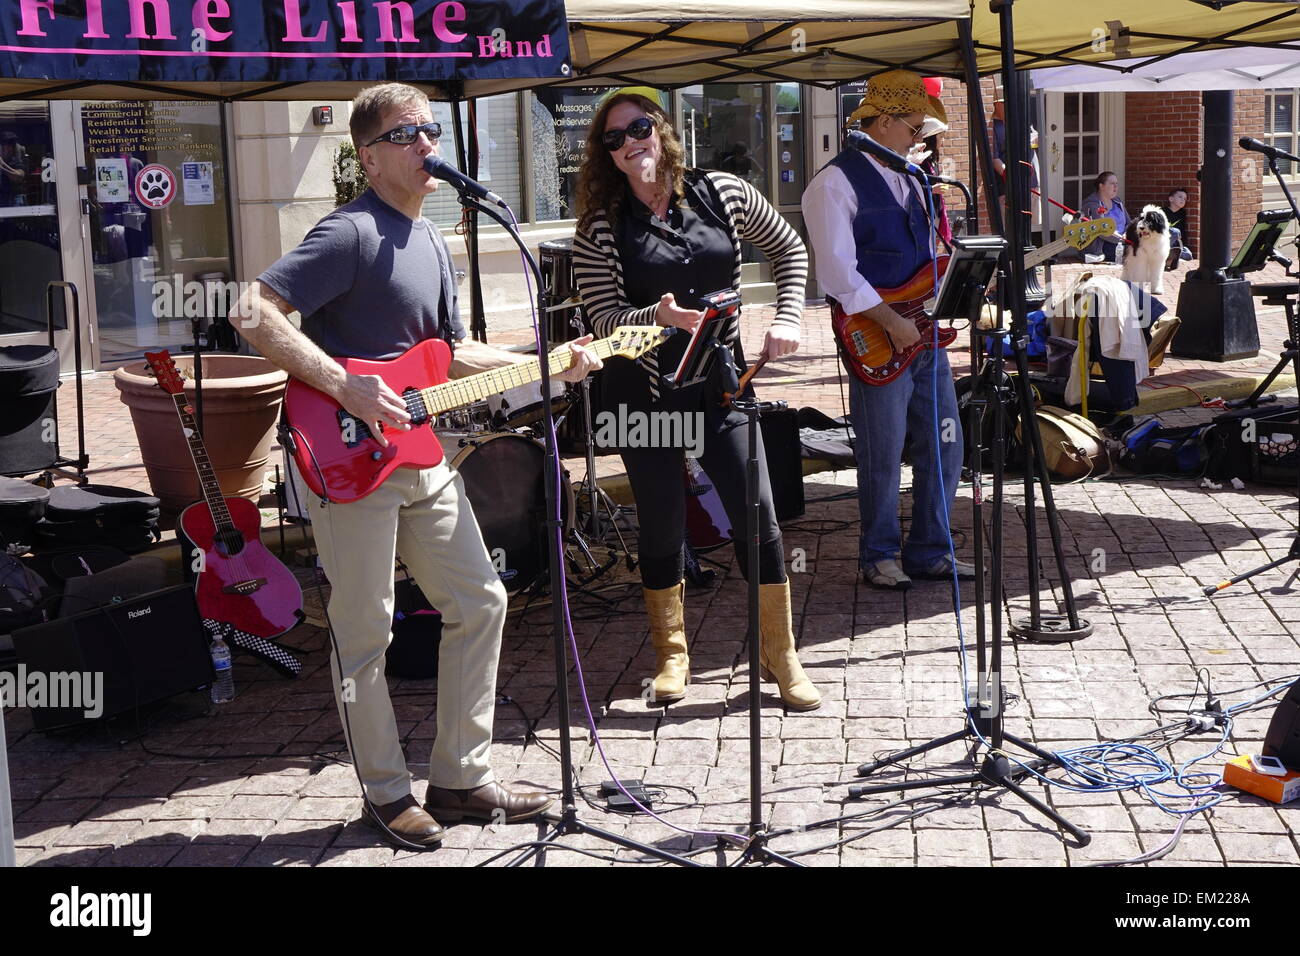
point(638, 129)
point(915, 130)
point(406, 135)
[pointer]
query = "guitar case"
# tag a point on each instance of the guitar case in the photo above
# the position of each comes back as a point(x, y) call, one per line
point(100, 514)
point(22, 506)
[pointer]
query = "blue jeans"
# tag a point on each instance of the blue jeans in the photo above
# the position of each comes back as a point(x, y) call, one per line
point(883, 418)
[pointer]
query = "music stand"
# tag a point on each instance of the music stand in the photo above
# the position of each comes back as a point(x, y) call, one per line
point(705, 347)
point(971, 268)
point(1257, 251)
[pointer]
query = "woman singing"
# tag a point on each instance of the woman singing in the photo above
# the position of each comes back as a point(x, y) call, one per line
point(653, 238)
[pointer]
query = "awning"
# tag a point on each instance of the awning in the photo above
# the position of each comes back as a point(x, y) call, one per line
point(1251, 68)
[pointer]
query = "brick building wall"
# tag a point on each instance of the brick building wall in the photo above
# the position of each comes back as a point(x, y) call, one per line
point(1162, 138)
point(1163, 133)
point(1163, 148)
point(955, 143)
point(1249, 170)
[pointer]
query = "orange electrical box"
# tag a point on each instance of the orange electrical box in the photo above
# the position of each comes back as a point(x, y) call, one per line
point(1239, 773)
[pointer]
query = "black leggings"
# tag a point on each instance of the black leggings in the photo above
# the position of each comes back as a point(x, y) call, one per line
point(658, 483)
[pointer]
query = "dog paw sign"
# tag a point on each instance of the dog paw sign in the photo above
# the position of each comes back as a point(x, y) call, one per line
point(155, 187)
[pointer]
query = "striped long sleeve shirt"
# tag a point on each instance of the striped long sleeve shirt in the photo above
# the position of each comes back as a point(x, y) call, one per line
point(598, 266)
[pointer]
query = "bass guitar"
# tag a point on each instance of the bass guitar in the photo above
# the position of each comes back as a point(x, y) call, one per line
point(867, 350)
point(240, 583)
point(336, 453)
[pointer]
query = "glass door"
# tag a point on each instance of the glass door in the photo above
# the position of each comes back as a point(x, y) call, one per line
point(1085, 135)
point(156, 225)
point(31, 251)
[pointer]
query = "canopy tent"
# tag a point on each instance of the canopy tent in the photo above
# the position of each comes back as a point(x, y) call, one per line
point(1248, 68)
point(735, 41)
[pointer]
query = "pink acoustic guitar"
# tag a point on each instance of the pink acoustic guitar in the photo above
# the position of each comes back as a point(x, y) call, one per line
point(240, 582)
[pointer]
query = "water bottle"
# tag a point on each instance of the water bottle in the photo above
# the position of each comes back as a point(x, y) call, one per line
point(223, 686)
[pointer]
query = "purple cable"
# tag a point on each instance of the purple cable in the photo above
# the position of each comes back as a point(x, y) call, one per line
point(563, 596)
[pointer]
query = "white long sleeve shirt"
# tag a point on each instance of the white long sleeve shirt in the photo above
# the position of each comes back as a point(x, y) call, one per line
point(829, 205)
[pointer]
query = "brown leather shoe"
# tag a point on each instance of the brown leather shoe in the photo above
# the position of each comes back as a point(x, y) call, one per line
point(493, 802)
point(405, 818)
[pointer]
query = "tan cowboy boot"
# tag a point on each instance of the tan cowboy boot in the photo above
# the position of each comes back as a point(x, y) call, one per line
point(776, 653)
point(668, 634)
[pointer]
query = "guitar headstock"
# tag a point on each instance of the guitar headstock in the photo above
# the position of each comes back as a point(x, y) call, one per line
point(633, 341)
point(164, 369)
point(1082, 234)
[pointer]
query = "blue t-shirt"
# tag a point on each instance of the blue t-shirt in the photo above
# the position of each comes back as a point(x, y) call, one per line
point(369, 282)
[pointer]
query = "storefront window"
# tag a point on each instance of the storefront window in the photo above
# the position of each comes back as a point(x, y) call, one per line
point(29, 225)
point(157, 202)
point(1280, 122)
point(558, 120)
point(850, 95)
point(726, 127)
point(498, 156)
point(789, 144)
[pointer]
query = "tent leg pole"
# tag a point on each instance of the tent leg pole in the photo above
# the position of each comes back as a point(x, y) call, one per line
point(469, 163)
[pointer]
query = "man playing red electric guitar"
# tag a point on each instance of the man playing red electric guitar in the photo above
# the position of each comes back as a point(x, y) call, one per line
point(371, 280)
point(870, 230)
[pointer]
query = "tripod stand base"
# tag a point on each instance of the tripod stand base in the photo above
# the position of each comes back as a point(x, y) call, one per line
point(567, 822)
point(1049, 630)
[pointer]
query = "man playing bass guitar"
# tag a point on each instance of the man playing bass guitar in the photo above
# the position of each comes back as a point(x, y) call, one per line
point(372, 280)
point(870, 230)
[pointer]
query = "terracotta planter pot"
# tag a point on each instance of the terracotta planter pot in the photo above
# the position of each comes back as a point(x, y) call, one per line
point(241, 401)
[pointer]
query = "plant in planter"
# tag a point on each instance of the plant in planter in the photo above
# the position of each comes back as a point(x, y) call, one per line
point(349, 178)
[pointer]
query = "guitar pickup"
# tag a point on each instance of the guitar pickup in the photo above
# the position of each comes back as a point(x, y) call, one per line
point(352, 430)
point(245, 587)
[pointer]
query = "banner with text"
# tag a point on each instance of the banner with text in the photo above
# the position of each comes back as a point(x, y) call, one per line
point(282, 41)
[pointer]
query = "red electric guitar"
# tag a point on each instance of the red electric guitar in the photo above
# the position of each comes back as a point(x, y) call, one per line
point(869, 353)
point(240, 583)
point(340, 460)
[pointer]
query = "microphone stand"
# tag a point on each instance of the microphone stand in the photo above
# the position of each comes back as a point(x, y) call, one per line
point(566, 820)
point(756, 848)
point(1291, 352)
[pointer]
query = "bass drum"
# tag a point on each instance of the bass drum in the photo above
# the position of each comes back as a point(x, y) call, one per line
point(505, 482)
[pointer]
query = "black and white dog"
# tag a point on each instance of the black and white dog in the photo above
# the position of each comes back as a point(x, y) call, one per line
point(1147, 249)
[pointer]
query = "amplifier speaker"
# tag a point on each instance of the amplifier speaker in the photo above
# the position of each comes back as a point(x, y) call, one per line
point(147, 648)
point(1283, 738)
point(784, 461)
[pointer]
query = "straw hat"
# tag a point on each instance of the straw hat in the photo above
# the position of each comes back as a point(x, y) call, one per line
point(653, 95)
point(898, 93)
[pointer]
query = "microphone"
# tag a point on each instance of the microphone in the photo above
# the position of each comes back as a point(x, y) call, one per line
point(439, 169)
point(1272, 152)
point(861, 141)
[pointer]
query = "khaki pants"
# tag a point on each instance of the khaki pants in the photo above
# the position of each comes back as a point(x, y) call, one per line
point(426, 517)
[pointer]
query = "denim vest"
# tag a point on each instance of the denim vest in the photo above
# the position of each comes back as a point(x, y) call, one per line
point(892, 242)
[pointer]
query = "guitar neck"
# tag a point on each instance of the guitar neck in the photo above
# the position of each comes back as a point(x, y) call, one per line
point(1042, 255)
point(207, 474)
point(473, 388)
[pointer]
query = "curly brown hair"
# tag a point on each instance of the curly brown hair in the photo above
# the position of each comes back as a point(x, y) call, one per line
point(601, 184)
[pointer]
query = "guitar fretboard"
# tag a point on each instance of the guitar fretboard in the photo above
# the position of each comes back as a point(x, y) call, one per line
point(466, 391)
point(207, 474)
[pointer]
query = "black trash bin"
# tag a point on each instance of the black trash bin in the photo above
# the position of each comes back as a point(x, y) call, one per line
point(29, 382)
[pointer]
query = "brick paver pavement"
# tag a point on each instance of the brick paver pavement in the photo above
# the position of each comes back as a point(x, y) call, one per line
point(264, 781)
